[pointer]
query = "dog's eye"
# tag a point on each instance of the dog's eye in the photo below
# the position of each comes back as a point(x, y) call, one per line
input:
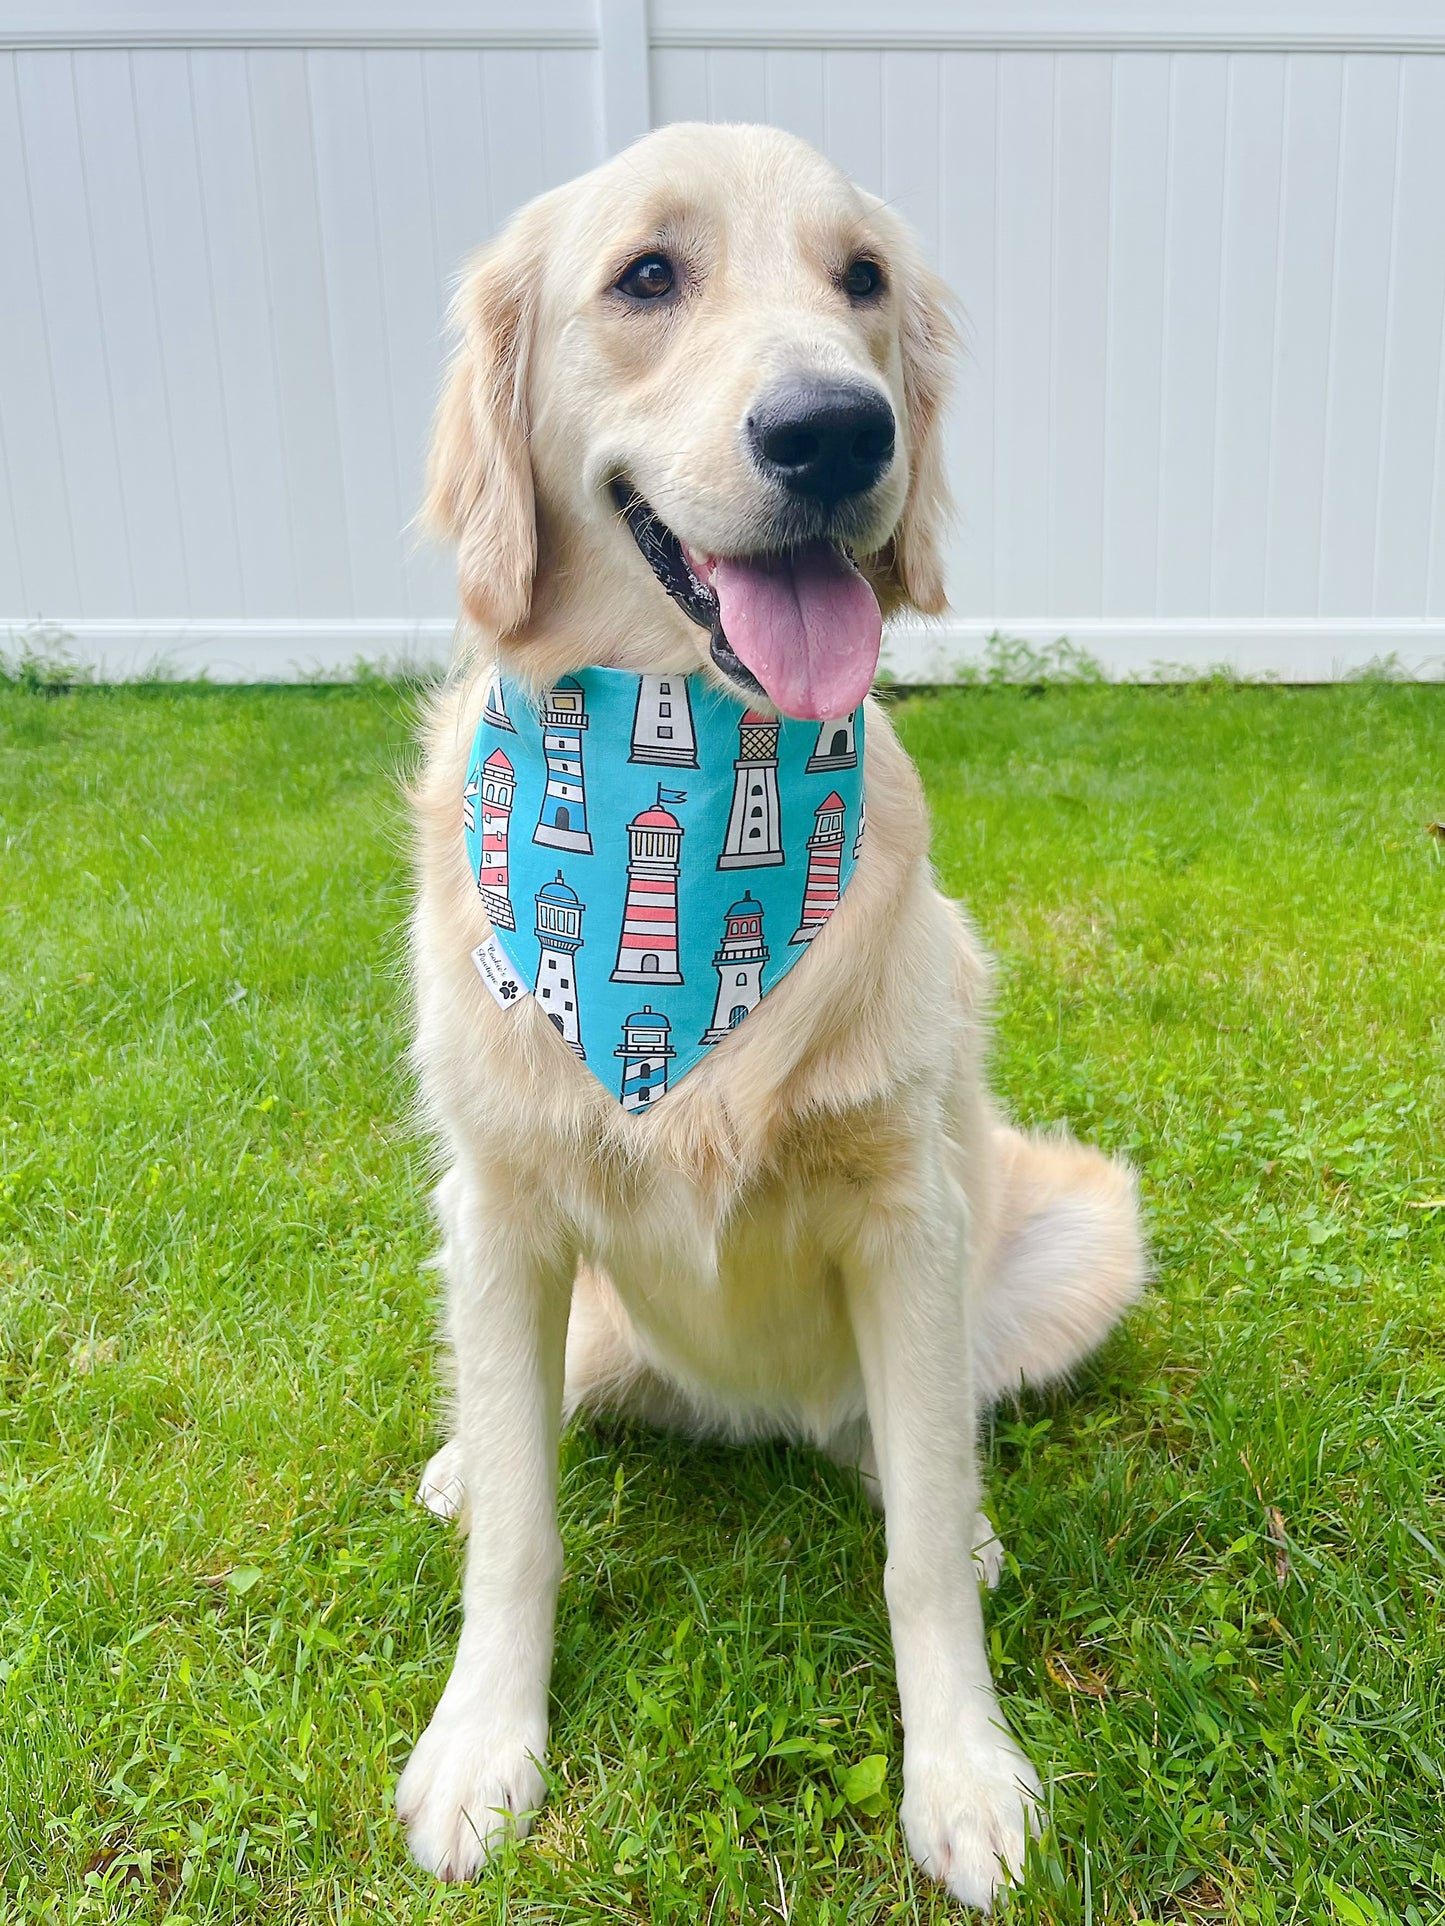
point(647, 278)
point(863, 277)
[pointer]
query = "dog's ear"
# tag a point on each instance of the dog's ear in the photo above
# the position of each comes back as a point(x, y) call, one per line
point(479, 475)
point(929, 341)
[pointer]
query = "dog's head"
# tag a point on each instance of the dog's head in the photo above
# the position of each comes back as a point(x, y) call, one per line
point(694, 417)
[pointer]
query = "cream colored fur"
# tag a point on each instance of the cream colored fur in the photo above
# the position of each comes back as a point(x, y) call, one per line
point(824, 1231)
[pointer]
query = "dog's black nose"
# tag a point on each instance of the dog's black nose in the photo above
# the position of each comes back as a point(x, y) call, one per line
point(822, 438)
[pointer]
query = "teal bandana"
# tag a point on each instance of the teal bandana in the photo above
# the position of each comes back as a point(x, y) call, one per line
point(654, 859)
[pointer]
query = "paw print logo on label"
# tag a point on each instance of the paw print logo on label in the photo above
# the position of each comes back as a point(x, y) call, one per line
point(497, 973)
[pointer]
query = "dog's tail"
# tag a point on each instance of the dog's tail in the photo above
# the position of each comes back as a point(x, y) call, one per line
point(1067, 1261)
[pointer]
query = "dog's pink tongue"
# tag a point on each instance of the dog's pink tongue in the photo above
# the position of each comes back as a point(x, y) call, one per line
point(806, 624)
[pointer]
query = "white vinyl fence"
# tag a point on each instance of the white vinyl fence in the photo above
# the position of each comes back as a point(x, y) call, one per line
point(1201, 248)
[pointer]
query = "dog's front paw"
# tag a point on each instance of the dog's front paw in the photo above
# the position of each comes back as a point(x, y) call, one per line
point(967, 1815)
point(463, 1791)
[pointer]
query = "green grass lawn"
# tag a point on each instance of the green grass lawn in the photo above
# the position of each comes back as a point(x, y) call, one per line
point(223, 1620)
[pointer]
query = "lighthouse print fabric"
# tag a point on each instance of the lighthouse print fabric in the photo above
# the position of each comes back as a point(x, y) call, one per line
point(654, 857)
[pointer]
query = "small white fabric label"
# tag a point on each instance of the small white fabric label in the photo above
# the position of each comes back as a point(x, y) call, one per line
point(497, 973)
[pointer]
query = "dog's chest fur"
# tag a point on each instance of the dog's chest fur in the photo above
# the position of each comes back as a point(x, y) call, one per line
point(736, 1290)
point(747, 1309)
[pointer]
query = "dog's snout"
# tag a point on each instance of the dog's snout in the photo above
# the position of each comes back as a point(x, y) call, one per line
point(822, 438)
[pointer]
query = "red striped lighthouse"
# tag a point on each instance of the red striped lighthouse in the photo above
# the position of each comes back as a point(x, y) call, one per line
point(825, 862)
point(499, 782)
point(647, 947)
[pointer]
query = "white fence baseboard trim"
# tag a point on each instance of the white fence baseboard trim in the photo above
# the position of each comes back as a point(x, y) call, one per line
point(1151, 650)
point(232, 651)
point(1145, 651)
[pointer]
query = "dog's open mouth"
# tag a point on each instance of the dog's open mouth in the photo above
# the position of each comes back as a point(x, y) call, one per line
point(800, 625)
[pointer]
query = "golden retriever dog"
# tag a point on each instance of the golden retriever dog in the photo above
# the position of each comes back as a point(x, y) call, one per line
point(692, 426)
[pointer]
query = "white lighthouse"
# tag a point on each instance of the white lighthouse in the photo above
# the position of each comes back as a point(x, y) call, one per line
point(662, 729)
point(862, 825)
point(499, 782)
point(563, 822)
point(495, 711)
point(754, 835)
point(739, 961)
point(825, 863)
point(647, 947)
point(836, 747)
point(559, 932)
point(646, 1050)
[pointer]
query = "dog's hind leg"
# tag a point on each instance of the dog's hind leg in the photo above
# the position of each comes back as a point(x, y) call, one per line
point(607, 1373)
point(852, 1447)
point(443, 1487)
point(1066, 1261)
